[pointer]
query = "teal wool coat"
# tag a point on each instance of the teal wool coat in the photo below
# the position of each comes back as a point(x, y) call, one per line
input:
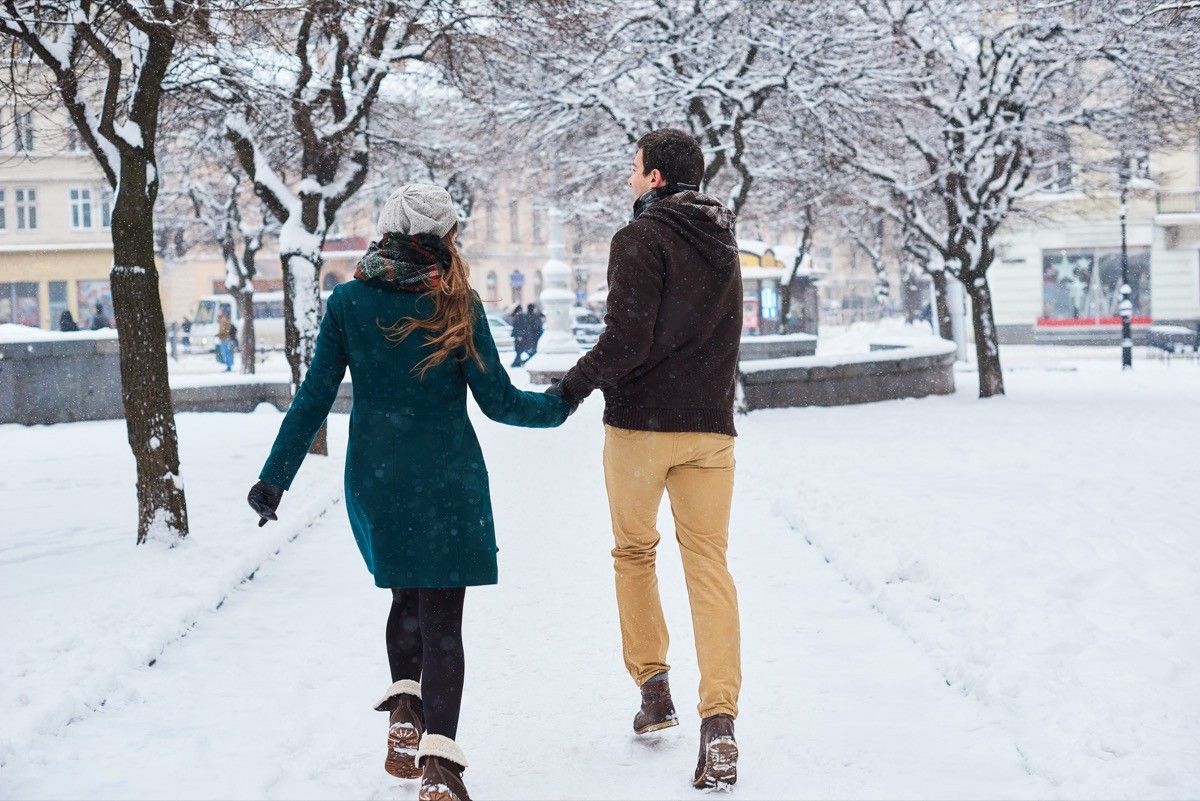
point(416, 485)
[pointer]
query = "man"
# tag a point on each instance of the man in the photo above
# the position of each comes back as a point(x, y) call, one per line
point(667, 365)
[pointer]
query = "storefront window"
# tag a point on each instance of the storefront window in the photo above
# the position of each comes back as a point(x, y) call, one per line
point(19, 303)
point(91, 293)
point(1084, 284)
point(58, 302)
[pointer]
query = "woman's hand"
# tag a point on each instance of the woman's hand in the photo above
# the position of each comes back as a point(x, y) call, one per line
point(264, 499)
point(556, 388)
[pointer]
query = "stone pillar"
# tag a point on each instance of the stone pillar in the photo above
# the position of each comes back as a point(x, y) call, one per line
point(557, 351)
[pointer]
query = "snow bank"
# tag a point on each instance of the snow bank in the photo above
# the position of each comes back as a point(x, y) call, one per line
point(10, 332)
point(82, 607)
point(1041, 548)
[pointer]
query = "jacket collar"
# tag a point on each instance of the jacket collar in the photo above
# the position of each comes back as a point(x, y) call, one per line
point(656, 194)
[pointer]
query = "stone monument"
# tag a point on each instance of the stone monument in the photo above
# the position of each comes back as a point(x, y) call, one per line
point(557, 351)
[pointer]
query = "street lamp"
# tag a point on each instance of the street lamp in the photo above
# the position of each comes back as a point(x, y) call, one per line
point(1125, 309)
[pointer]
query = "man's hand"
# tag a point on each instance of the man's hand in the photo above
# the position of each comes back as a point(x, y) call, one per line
point(556, 388)
point(264, 499)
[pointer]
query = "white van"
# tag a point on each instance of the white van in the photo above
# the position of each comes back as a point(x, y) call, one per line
point(268, 320)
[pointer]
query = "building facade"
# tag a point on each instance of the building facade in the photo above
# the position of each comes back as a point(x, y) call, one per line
point(1058, 279)
point(55, 238)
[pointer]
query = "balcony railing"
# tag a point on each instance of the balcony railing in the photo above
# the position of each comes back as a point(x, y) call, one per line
point(1179, 201)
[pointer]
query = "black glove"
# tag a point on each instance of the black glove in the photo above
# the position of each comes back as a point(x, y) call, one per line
point(264, 499)
point(556, 388)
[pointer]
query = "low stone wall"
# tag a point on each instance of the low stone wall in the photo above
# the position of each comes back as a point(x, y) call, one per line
point(890, 372)
point(60, 379)
point(777, 346)
point(245, 396)
point(67, 378)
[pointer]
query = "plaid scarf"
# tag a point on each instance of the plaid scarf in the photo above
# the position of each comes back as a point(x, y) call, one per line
point(410, 263)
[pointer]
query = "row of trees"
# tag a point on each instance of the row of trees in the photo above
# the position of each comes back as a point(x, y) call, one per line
point(916, 127)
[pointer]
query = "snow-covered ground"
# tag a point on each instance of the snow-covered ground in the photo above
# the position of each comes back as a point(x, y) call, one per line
point(941, 598)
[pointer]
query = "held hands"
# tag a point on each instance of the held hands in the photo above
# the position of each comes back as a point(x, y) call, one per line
point(556, 388)
point(264, 499)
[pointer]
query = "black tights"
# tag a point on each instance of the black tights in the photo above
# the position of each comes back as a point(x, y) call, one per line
point(424, 643)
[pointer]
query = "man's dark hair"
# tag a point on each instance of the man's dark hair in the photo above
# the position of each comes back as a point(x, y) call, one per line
point(675, 154)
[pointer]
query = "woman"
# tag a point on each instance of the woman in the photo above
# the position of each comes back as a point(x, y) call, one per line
point(415, 338)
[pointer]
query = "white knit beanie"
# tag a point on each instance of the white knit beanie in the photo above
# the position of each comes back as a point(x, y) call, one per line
point(417, 209)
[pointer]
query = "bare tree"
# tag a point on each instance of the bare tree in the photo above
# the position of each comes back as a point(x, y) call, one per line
point(715, 68)
point(218, 209)
point(297, 111)
point(108, 61)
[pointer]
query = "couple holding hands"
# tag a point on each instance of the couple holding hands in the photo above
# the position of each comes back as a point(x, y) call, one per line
point(415, 338)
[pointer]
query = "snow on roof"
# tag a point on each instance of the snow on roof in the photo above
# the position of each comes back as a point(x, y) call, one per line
point(10, 332)
point(785, 253)
point(755, 246)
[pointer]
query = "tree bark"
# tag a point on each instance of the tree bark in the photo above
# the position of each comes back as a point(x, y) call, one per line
point(245, 303)
point(987, 346)
point(145, 390)
point(941, 305)
point(298, 272)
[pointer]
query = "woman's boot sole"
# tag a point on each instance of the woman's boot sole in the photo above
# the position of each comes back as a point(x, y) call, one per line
point(401, 760)
point(439, 793)
point(720, 765)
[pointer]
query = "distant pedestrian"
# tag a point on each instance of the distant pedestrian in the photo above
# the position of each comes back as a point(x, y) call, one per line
point(187, 332)
point(535, 327)
point(520, 333)
point(173, 339)
point(99, 319)
point(225, 340)
point(66, 322)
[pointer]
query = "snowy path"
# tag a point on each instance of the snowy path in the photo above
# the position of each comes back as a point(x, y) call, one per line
point(270, 696)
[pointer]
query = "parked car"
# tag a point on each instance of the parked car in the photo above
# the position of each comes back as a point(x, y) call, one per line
point(268, 320)
point(586, 326)
point(501, 331)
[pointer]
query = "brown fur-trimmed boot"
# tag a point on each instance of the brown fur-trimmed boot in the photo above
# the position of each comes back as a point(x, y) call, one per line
point(442, 765)
point(658, 711)
point(406, 721)
point(717, 768)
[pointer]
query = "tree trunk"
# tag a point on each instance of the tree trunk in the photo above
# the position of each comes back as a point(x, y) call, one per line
point(987, 346)
point(245, 302)
point(145, 391)
point(941, 305)
point(301, 318)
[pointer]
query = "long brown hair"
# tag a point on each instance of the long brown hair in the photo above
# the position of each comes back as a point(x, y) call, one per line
point(453, 320)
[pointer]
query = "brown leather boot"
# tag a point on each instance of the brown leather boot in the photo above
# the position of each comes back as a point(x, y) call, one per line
point(406, 721)
point(658, 711)
point(717, 768)
point(442, 766)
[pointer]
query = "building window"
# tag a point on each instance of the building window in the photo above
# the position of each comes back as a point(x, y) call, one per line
point(81, 208)
point(1058, 173)
point(1083, 285)
point(75, 143)
point(489, 221)
point(538, 233)
point(1139, 166)
point(3, 211)
point(106, 202)
point(19, 303)
point(514, 221)
point(25, 205)
point(57, 302)
point(95, 305)
point(24, 130)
